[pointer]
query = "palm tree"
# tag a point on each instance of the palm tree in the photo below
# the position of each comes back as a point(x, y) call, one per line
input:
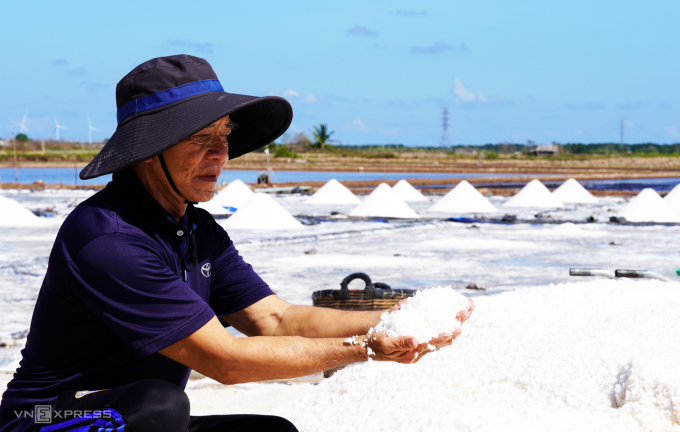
point(322, 136)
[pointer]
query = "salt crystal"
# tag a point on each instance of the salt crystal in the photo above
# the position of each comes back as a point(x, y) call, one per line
point(425, 316)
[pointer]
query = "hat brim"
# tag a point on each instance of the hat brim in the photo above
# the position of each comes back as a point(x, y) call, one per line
point(259, 120)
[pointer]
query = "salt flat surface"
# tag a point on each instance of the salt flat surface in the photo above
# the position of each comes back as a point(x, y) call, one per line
point(296, 262)
point(534, 194)
point(571, 191)
point(594, 356)
point(648, 206)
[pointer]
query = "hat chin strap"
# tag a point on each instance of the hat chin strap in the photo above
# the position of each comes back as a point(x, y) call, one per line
point(172, 183)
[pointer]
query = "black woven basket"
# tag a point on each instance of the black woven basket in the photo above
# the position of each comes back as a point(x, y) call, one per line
point(374, 296)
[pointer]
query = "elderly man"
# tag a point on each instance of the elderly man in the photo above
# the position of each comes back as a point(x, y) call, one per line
point(140, 283)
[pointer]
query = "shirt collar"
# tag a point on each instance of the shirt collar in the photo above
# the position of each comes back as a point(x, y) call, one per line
point(127, 182)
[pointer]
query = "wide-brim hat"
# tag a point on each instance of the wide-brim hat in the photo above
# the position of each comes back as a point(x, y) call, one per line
point(166, 100)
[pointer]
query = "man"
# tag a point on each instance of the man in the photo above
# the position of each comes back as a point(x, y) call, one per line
point(140, 283)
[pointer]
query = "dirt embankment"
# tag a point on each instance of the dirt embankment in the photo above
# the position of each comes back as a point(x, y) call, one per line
point(504, 169)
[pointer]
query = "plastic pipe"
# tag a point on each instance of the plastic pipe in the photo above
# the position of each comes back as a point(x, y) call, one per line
point(591, 272)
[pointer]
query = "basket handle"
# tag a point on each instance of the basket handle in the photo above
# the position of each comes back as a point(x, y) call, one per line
point(344, 285)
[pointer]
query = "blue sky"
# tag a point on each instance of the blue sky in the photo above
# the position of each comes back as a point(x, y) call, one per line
point(375, 72)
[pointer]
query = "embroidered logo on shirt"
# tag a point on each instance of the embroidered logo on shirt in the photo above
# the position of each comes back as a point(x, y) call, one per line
point(205, 270)
point(86, 392)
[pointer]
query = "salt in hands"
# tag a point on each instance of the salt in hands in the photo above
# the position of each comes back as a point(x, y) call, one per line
point(406, 349)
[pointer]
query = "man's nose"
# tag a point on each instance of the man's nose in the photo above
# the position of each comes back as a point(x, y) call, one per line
point(218, 149)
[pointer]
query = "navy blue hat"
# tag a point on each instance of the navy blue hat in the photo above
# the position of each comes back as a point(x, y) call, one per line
point(166, 100)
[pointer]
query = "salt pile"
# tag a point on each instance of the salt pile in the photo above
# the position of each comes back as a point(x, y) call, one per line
point(234, 195)
point(425, 316)
point(262, 212)
point(333, 192)
point(673, 198)
point(463, 198)
point(405, 191)
point(589, 356)
point(572, 192)
point(213, 208)
point(534, 194)
point(14, 214)
point(384, 202)
point(648, 206)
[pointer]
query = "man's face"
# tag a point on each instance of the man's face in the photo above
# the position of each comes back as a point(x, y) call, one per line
point(196, 163)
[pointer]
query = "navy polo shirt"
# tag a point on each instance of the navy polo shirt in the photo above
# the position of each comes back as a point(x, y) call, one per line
point(115, 293)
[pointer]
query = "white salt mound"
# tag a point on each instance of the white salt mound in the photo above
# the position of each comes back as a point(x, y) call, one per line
point(384, 202)
point(262, 212)
point(333, 192)
point(463, 198)
point(568, 228)
point(234, 195)
point(405, 191)
point(648, 206)
point(14, 214)
point(213, 208)
point(572, 192)
point(425, 316)
point(534, 194)
point(588, 356)
point(673, 198)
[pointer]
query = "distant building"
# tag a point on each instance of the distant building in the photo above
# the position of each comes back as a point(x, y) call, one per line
point(545, 150)
point(3, 143)
point(465, 151)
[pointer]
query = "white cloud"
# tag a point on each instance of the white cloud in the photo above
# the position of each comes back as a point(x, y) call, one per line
point(466, 95)
point(673, 132)
point(310, 98)
point(291, 93)
point(357, 124)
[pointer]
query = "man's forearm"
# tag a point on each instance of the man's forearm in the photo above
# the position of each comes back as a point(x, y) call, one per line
point(215, 353)
point(317, 322)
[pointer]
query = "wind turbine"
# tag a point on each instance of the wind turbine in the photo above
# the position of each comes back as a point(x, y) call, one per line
point(22, 125)
point(90, 128)
point(57, 126)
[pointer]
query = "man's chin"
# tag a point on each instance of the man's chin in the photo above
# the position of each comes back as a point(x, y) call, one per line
point(203, 196)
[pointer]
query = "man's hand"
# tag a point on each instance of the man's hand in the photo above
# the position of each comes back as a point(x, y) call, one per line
point(406, 349)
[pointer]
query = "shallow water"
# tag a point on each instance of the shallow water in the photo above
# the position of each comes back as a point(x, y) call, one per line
point(68, 176)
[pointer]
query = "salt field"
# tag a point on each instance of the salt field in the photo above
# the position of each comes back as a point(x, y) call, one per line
point(580, 354)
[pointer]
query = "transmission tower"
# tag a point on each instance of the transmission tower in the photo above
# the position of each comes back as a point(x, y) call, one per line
point(445, 141)
point(622, 126)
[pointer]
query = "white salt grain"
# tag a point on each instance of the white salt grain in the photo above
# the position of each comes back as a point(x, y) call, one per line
point(425, 316)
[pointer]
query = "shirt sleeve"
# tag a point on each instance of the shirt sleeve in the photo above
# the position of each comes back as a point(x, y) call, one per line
point(235, 283)
point(128, 285)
